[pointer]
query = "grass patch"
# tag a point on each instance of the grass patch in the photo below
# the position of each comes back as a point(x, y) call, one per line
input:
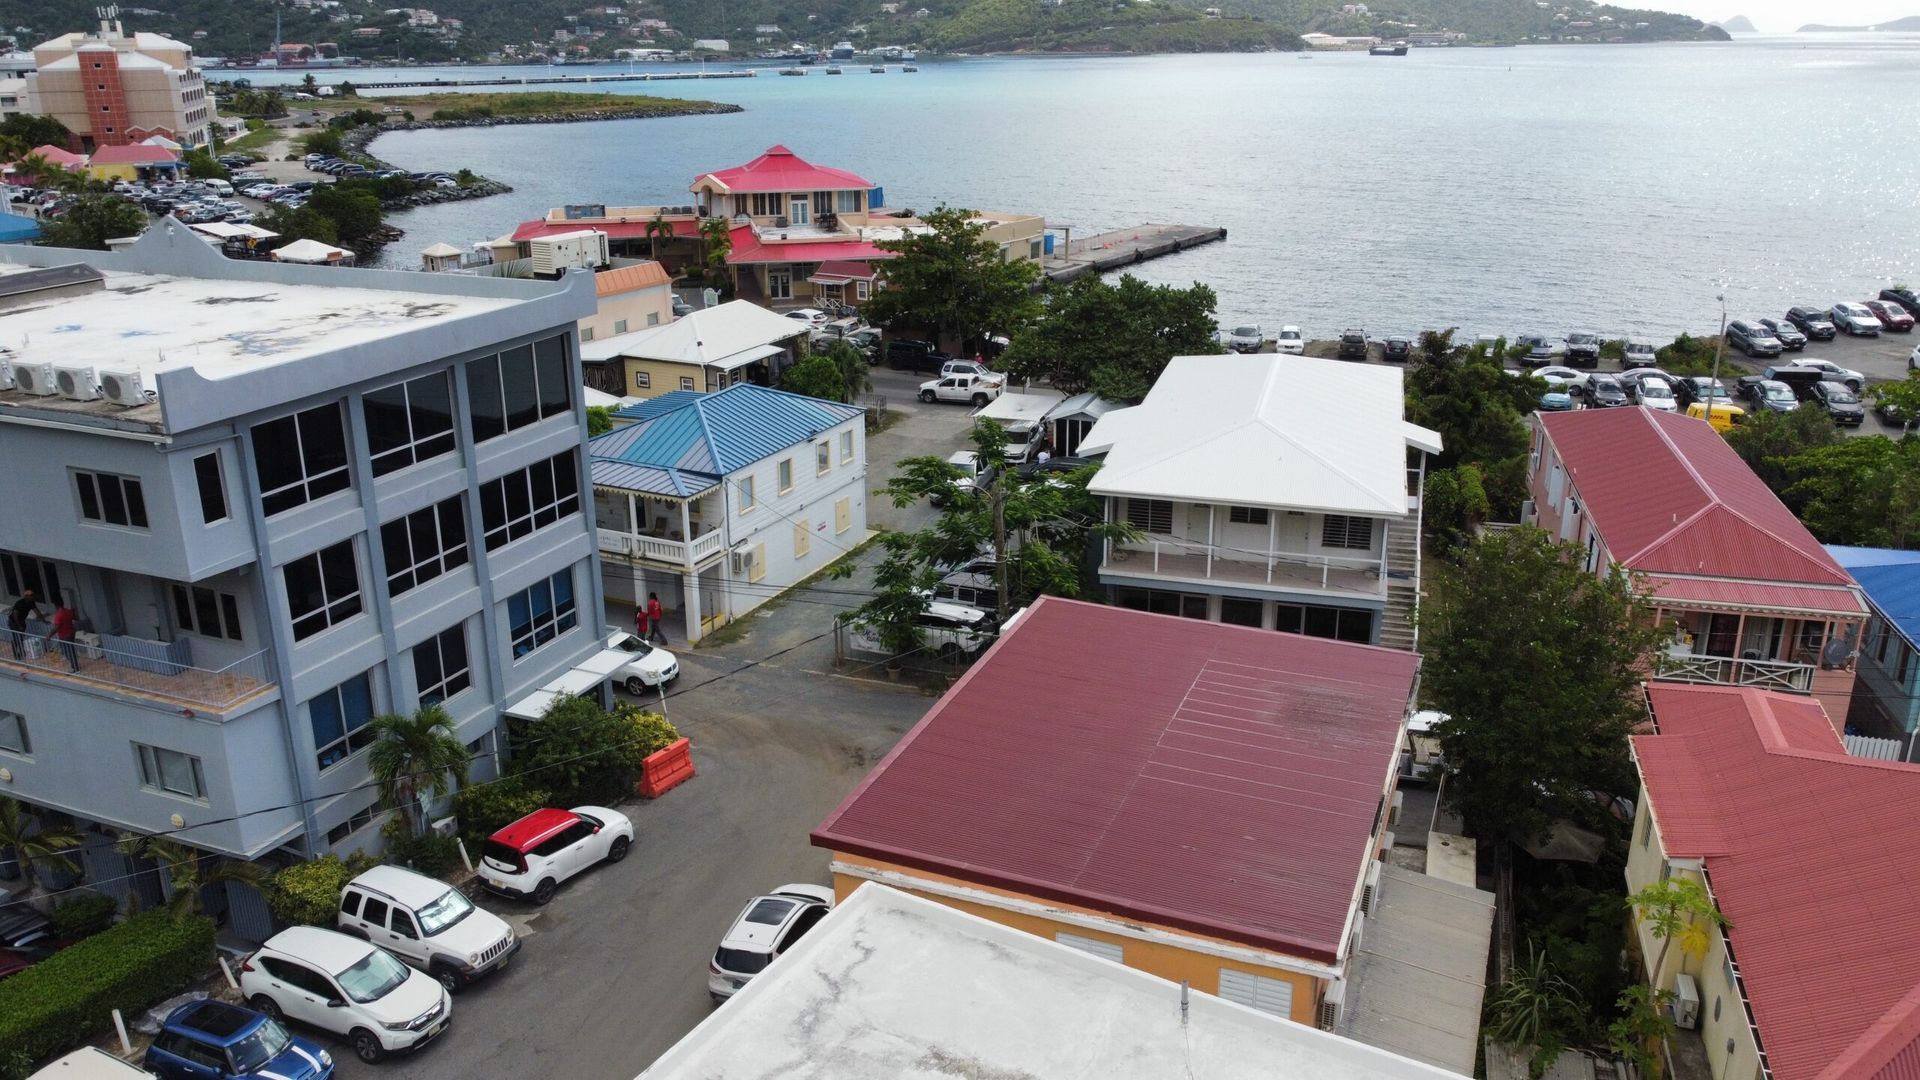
point(252, 140)
point(505, 105)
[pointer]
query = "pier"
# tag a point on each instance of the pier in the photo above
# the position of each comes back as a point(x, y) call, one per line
point(545, 80)
point(1124, 247)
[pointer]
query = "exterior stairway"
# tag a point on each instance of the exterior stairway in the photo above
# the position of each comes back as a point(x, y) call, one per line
point(1403, 584)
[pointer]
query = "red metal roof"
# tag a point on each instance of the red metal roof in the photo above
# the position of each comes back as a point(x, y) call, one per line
point(59, 155)
point(1211, 778)
point(1814, 860)
point(615, 230)
point(780, 169)
point(1720, 592)
point(851, 269)
point(522, 835)
point(1667, 494)
point(748, 249)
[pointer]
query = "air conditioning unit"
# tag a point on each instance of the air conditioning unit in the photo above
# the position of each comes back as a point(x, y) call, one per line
point(1686, 1002)
point(1332, 1003)
point(446, 826)
point(124, 388)
point(6, 376)
point(1370, 891)
point(76, 383)
point(34, 379)
point(1526, 511)
point(780, 223)
point(742, 561)
point(1387, 840)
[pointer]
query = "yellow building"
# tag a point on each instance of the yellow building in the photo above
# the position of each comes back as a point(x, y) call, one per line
point(632, 298)
point(706, 350)
point(114, 88)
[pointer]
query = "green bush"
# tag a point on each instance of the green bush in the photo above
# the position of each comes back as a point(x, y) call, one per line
point(15, 1065)
point(70, 996)
point(83, 916)
point(430, 854)
point(580, 753)
point(485, 809)
point(649, 732)
point(1688, 355)
point(308, 893)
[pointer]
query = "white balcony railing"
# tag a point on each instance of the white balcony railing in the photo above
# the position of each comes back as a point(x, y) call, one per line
point(661, 549)
point(1768, 674)
point(1164, 556)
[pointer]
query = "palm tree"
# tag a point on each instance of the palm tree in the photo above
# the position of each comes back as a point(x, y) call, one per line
point(30, 843)
point(1532, 1010)
point(416, 754)
point(189, 870)
point(855, 377)
point(657, 230)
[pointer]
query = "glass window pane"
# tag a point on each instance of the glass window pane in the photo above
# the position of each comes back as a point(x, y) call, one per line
point(552, 364)
point(394, 547)
point(182, 608)
point(323, 443)
point(213, 491)
point(324, 713)
point(276, 455)
point(489, 418)
point(386, 415)
point(113, 509)
point(518, 386)
point(356, 701)
point(230, 608)
point(136, 504)
point(424, 526)
point(337, 565)
point(206, 612)
point(519, 502)
point(430, 403)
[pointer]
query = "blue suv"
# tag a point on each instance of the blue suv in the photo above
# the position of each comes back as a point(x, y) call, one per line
point(207, 1040)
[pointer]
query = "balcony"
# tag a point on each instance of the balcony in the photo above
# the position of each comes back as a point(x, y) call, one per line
point(1164, 557)
point(157, 672)
point(662, 549)
point(1727, 670)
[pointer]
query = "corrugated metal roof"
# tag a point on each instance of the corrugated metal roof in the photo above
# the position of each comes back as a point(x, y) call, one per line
point(1814, 860)
point(1217, 779)
point(645, 275)
point(650, 480)
point(1757, 595)
point(1667, 494)
point(1891, 580)
point(780, 169)
point(717, 433)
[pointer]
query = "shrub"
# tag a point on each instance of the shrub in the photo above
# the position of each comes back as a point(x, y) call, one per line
point(649, 732)
point(83, 916)
point(484, 809)
point(308, 893)
point(70, 996)
point(430, 853)
point(580, 753)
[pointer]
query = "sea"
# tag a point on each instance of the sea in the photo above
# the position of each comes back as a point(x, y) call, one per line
point(1623, 189)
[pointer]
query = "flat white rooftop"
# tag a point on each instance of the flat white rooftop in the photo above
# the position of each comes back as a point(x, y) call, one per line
point(894, 987)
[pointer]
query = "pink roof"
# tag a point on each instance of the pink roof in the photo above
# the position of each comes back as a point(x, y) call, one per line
point(780, 169)
point(749, 250)
point(1819, 887)
point(1667, 494)
point(136, 154)
point(1218, 779)
point(615, 230)
point(1720, 592)
point(57, 155)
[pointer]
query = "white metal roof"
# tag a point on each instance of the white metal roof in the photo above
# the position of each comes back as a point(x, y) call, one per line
point(893, 987)
point(1264, 430)
point(576, 680)
point(1014, 404)
point(310, 251)
point(715, 336)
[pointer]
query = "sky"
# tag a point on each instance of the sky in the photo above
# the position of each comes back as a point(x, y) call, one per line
point(1785, 16)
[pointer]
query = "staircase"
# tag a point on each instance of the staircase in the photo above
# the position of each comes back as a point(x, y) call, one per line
point(1403, 584)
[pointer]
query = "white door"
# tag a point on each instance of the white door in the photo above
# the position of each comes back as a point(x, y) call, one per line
point(1257, 992)
point(780, 284)
point(301, 992)
point(403, 938)
point(801, 209)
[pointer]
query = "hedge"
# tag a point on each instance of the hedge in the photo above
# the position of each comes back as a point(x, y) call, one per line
point(308, 893)
point(70, 996)
point(83, 916)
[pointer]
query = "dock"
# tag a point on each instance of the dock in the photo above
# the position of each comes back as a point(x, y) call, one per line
point(1124, 247)
point(546, 80)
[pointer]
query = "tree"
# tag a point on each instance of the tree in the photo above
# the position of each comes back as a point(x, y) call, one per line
point(309, 84)
point(579, 753)
point(952, 282)
point(716, 243)
point(414, 756)
point(1113, 339)
point(1534, 1011)
point(29, 843)
point(1537, 663)
point(1479, 410)
point(1678, 907)
point(817, 377)
point(355, 211)
point(1688, 355)
point(1644, 1023)
point(1863, 491)
point(324, 141)
point(855, 372)
point(657, 230)
point(1768, 439)
point(599, 420)
point(299, 223)
point(202, 166)
point(1901, 400)
point(92, 221)
point(35, 130)
point(190, 870)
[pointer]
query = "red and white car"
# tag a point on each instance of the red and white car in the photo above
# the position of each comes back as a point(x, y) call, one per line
point(1892, 315)
point(531, 857)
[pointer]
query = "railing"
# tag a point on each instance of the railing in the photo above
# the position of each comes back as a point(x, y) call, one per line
point(150, 669)
point(1232, 561)
point(1770, 674)
point(660, 549)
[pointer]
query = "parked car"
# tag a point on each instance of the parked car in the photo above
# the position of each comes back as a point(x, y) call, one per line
point(1639, 354)
point(1290, 341)
point(1556, 401)
point(1891, 315)
point(89, 1063)
point(1558, 377)
point(909, 354)
point(346, 986)
point(1812, 322)
point(1830, 370)
point(1913, 359)
point(1905, 297)
point(1353, 345)
point(1397, 348)
point(21, 924)
point(1840, 402)
point(1764, 393)
point(767, 927)
point(1603, 391)
point(1653, 392)
point(947, 630)
point(959, 389)
point(427, 923)
point(1796, 378)
point(1720, 415)
point(681, 309)
point(529, 859)
point(1702, 388)
point(207, 1039)
point(13, 962)
point(975, 586)
point(813, 317)
point(649, 667)
point(973, 369)
point(1752, 338)
point(1243, 339)
point(1583, 349)
point(1539, 346)
point(1856, 319)
point(1890, 413)
point(974, 474)
point(1787, 334)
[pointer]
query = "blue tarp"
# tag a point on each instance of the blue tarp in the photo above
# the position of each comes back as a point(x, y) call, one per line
point(15, 229)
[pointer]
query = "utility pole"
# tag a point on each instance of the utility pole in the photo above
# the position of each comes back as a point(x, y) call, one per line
point(1719, 350)
point(1000, 544)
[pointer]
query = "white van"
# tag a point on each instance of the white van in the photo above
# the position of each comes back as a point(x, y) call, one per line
point(219, 186)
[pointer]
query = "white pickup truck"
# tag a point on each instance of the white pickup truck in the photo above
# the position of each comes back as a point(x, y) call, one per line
point(960, 389)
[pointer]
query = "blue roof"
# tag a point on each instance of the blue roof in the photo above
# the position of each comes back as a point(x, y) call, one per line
point(1891, 580)
point(717, 433)
point(15, 228)
point(650, 479)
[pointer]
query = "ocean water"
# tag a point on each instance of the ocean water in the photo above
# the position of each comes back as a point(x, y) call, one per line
point(1545, 188)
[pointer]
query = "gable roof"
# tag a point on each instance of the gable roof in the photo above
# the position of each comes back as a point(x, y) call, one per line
point(134, 154)
point(645, 275)
point(58, 155)
point(780, 169)
point(707, 336)
point(1891, 580)
point(1707, 513)
point(1264, 430)
point(1819, 889)
point(719, 433)
point(1217, 779)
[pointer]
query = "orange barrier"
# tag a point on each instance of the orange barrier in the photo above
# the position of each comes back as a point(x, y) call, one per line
point(664, 770)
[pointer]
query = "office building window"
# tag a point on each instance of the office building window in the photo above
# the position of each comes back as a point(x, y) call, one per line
point(409, 422)
point(846, 447)
point(170, 771)
point(13, 733)
point(541, 613)
point(1341, 624)
point(440, 667)
point(744, 486)
point(205, 612)
point(340, 719)
point(23, 572)
point(642, 380)
point(423, 545)
point(822, 458)
point(802, 540)
point(213, 488)
point(1247, 515)
point(360, 820)
point(1344, 531)
point(521, 386)
point(1150, 515)
point(301, 458)
point(783, 477)
point(619, 326)
point(532, 498)
point(111, 499)
point(323, 589)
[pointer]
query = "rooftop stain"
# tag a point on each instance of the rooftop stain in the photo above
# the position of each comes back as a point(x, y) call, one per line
point(221, 301)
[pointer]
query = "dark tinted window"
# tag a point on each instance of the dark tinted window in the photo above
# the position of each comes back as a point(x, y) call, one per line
point(550, 362)
point(213, 490)
point(403, 925)
point(322, 589)
point(423, 545)
point(501, 854)
point(376, 912)
point(409, 422)
point(741, 961)
point(300, 458)
point(521, 387)
point(440, 667)
point(802, 923)
point(552, 845)
point(487, 411)
point(769, 911)
point(350, 904)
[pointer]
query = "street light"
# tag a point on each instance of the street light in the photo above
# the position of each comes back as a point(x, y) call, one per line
point(1719, 350)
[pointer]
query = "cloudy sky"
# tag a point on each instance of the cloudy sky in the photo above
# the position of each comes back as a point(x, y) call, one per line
point(1782, 16)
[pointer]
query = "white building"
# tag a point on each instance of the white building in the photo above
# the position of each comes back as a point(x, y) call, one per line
point(1280, 495)
point(718, 502)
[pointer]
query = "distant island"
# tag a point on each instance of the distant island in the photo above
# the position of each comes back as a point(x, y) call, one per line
point(1908, 25)
point(1739, 24)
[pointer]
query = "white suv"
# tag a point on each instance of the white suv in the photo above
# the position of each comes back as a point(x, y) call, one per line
point(947, 630)
point(346, 986)
point(649, 667)
point(767, 927)
point(427, 923)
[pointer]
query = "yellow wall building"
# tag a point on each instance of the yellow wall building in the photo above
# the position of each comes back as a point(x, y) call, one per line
point(114, 88)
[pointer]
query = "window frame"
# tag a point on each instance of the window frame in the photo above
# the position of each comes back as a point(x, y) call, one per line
point(487, 375)
point(439, 647)
point(503, 520)
point(1143, 514)
point(643, 380)
point(686, 382)
point(822, 458)
point(18, 722)
point(1337, 532)
point(353, 738)
point(216, 493)
point(846, 447)
point(783, 476)
point(443, 518)
point(744, 492)
point(1249, 515)
point(332, 610)
point(802, 540)
point(310, 485)
point(153, 777)
point(19, 572)
point(619, 326)
point(91, 487)
point(542, 627)
point(188, 617)
point(419, 445)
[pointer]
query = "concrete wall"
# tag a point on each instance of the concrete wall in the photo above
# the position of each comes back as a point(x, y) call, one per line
point(638, 309)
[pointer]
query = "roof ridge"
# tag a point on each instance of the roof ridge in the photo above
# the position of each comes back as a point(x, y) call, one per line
point(1882, 1041)
point(1260, 417)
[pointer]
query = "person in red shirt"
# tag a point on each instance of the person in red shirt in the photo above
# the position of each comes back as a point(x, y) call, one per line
point(654, 615)
point(63, 630)
point(640, 621)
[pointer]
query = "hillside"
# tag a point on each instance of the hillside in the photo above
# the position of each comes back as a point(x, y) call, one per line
point(1739, 24)
point(1908, 25)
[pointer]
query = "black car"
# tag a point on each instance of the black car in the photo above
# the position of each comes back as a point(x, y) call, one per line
point(1787, 334)
point(1905, 297)
point(1841, 403)
point(1752, 338)
point(1813, 322)
point(909, 354)
point(1604, 392)
point(1353, 345)
point(1398, 347)
point(1699, 388)
point(1760, 392)
point(1583, 350)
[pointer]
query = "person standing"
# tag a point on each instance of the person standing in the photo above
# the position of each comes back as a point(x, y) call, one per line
point(23, 609)
point(655, 615)
point(63, 631)
point(640, 621)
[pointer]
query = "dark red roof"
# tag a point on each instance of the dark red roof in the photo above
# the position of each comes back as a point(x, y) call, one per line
point(1757, 595)
point(615, 230)
point(1667, 494)
point(1217, 779)
point(748, 249)
point(522, 835)
point(780, 169)
point(1819, 886)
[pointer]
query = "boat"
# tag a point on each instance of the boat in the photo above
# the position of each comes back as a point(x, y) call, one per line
point(842, 50)
point(793, 71)
point(834, 70)
point(878, 69)
point(909, 67)
point(1387, 50)
point(909, 55)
